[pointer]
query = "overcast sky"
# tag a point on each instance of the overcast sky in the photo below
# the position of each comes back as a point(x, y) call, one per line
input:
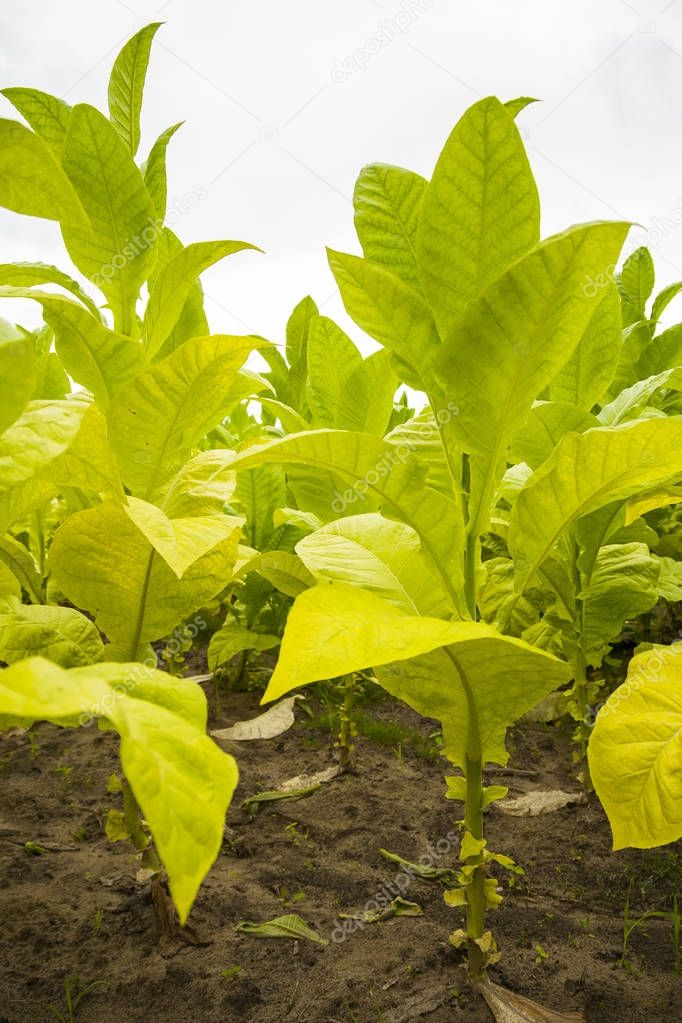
point(285, 102)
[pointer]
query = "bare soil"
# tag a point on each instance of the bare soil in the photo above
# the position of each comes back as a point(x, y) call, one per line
point(76, 910)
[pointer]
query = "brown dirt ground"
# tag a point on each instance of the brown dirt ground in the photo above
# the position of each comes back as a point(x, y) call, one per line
point(77, 910)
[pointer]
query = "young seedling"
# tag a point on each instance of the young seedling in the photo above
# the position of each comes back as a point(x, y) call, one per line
point(74, 993)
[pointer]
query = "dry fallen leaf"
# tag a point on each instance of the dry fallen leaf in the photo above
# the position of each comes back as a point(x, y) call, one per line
point(273, 722)
point(507, 1007)
point(304, 781)
point(538, 802)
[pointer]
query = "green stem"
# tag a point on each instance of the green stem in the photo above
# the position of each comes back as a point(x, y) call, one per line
point(346, 729)
point(142, 608)
point(475, 891)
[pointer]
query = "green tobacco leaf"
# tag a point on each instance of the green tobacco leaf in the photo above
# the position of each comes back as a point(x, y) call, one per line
point(480, 212)
point(17, 377)
point(585, 378)
point(387, 202)
point(46, 114)
point(259, 492)
point(515, 106)
point(546, 424)
point(44, 431)
point(289, 926)
point(180, 778)
point(373, 631)
point(202, 486)
point(21, 564)
point(286, 572)
point(26, 275)
point(173, 284)
point(117, 252)
point(99, 359)
point(381, 556)
point(586, 472)
point(335, 629)
point(158, 417)
point(664, 352)
point(180, 542)
point(632, 402)
point(17, 501)
point(636, 282)
point(233, 639)
point(511, 342)
point(154, 170)
point(60, 634)
point(391, 476)
point(623, 585)
point(365, 402)
point(184, 784)
point(126, 85)
point(635, 752)
point(664, 298)
point(298, 326)
point(88, 462)
point(32, 181)
point(104, 564)
point(331, 359)
point(391, 312)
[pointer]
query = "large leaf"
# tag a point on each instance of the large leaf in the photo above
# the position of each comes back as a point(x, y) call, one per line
point(365, 402)
point(635, 752)
point(32, 180)
point(126, 85)
point(17, 376)
point(379, 555)
point(480, 212)
point(154, 169)
point(387, 202)
point(388, 474)
point(584, 379)
point(546, 424)
point(512, 341)
point(158, 417)
point(180, 542)
point(334, 629)
point(118, 251)
point(180, 778)
point(636, 282)
point(623, 584)
point(95, 356)
point(664, 352)
point(391, 312)
point(331, 359)
point(105, 565)
point(88, 462)
point(61, 634)
point(586, 472)
point(44, 431)
point(26, 275)
point(259, 492)
point(47, 115)
point(173, 284)
point(232, 639)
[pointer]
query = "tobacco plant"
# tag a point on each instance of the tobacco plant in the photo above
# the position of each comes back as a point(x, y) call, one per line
point(107, 502)
point(479, 315)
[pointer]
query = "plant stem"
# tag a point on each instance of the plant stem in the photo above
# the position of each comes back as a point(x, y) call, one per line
point(475, 916)
point(346, 729)
point(131, 815)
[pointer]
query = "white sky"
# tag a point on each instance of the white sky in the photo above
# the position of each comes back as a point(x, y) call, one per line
point(276, 140)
